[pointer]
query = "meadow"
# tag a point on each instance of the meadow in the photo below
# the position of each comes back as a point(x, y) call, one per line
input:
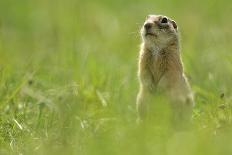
point(68, 77)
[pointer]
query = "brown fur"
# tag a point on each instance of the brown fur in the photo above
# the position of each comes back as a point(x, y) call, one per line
point(160, 67)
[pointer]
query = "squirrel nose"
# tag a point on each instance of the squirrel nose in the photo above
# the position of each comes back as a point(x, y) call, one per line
point(148, 26)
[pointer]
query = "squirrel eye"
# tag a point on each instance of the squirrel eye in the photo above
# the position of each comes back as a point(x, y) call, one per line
point(164, 20)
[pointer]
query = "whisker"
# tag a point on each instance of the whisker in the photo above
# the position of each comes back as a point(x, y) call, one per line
point(135, 33)
point(139, 23)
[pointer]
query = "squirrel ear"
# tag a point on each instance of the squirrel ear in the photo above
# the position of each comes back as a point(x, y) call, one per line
point(174, 24)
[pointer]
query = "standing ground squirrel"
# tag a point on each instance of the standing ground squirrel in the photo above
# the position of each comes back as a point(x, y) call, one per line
point(160, 67)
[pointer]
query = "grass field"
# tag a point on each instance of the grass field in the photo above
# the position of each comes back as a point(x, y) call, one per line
point(68, 77)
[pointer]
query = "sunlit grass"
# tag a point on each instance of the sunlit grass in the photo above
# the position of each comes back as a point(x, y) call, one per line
point(68, 78)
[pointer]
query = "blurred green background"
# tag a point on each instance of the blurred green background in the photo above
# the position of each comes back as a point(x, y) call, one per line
point(68, 77)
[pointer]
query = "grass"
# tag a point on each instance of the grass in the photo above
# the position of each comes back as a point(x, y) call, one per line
point(68, 77)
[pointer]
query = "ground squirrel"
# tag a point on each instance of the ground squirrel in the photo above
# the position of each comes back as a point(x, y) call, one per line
point(160, 67)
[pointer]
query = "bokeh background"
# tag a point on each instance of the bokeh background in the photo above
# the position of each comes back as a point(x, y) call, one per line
point(68, 77)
